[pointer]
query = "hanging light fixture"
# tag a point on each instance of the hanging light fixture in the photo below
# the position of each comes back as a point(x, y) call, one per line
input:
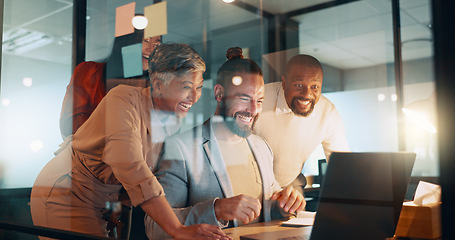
point(140, 22)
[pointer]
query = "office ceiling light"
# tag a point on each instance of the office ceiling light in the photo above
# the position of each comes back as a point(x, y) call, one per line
point(36, 145)
point(6, 102)
point(27, 81)
point(228, 1)
point(19, 41)
point(237, 80)
point(393, 97)
point(140, 22)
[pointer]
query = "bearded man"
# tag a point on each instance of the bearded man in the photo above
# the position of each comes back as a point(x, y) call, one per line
point(219, 173)
point(296, 119)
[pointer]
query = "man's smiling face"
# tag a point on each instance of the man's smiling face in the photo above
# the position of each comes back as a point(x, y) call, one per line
point(302, 88)
point(243, 103)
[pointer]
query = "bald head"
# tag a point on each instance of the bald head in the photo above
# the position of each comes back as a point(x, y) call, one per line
point(302, 84)
point(302, 60)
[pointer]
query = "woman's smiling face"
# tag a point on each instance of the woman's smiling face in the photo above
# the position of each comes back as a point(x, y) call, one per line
point(180, 94)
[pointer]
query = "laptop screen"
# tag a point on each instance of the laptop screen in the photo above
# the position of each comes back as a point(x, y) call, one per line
point(362, 195)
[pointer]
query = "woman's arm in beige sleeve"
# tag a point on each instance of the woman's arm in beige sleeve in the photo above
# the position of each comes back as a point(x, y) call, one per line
point(159, 209)
point(161, 212)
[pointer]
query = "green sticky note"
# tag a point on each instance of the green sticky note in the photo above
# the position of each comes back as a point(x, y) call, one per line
point(132, 60)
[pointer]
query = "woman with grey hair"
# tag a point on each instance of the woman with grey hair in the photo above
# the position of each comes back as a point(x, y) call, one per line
point(117, 148)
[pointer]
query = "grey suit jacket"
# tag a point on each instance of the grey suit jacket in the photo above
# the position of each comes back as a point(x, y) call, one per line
point(193, 174)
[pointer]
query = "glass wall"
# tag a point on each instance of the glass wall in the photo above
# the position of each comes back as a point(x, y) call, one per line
point(354, 42)
point(419, 86)
point(210, 27)
point(36, 67)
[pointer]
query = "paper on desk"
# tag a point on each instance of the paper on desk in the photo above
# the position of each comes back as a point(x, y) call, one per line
point(304, 218)
point(426, 193)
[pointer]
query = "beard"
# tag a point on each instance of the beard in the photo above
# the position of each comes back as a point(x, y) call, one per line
point(241, 131)
point(231, 123)
point(295, 109)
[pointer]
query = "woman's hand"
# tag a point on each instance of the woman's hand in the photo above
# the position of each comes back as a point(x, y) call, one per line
point(161, 212)
point(200, 231)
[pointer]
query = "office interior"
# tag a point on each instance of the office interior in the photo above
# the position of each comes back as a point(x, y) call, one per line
point(378, 57)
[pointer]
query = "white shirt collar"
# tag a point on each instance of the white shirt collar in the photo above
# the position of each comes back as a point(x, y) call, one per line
point(164, 124)
point(281, 104)
point(283, 108)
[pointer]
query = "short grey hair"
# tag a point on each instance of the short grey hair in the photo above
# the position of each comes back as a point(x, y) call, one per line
point(171, 60)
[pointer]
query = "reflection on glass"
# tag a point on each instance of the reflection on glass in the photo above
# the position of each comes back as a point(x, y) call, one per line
point(354, 42)
point(140, 22)
point(423, 113)
point(418, 78)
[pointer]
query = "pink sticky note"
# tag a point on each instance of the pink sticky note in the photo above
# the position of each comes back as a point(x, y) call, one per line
point(123, 19)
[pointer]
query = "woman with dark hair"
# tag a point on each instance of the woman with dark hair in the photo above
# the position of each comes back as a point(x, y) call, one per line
point(117, 147)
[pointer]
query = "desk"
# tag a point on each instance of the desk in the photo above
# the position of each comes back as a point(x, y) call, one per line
point(272, 226)
point(275, 226)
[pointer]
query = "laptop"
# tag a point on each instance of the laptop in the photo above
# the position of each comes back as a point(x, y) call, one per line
point(361, 197)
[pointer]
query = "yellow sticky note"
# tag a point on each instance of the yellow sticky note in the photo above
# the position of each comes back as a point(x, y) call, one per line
point(156, 15)
point(123, 19)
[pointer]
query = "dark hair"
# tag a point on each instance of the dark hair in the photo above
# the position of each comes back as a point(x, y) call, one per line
point(114, 62)
point(234, 65)
point(170, 60)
